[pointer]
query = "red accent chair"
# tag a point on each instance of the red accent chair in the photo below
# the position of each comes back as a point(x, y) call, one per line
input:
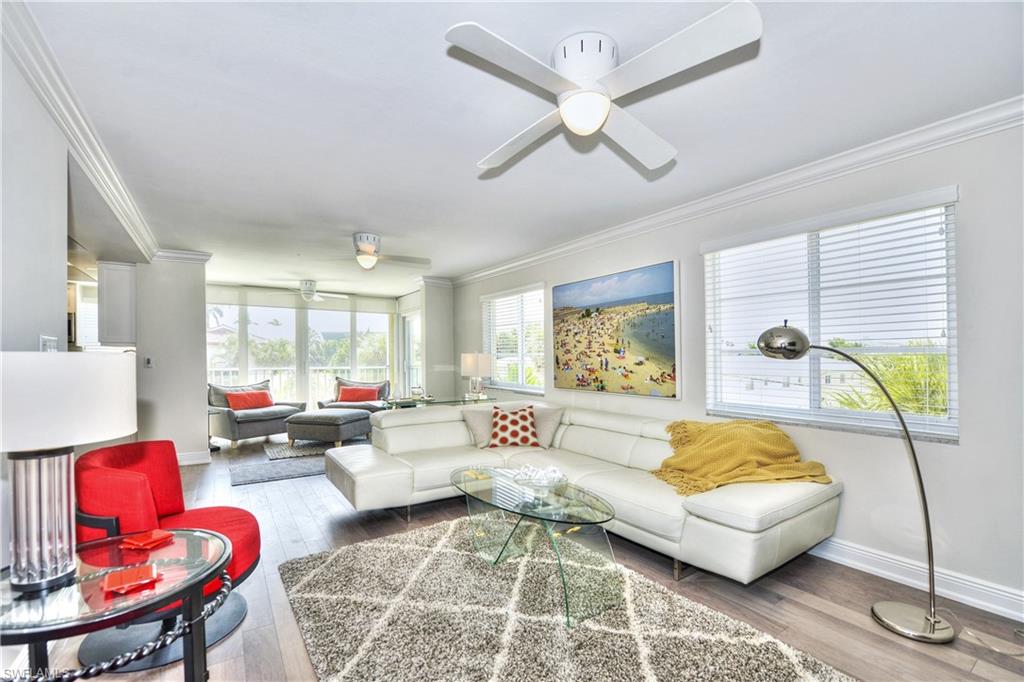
point(135, 487)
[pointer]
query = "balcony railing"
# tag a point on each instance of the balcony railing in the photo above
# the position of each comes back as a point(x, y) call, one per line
point(284, 380)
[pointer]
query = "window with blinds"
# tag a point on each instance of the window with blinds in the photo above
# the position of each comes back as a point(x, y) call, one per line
point(513, 329)
point(881, 290)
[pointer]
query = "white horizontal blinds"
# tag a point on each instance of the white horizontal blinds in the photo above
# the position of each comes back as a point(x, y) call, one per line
point(513, 331)
point(881, 290)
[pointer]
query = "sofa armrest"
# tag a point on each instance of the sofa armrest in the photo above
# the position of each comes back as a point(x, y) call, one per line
point(300, 405)
point(223, 422)
point(222, 412)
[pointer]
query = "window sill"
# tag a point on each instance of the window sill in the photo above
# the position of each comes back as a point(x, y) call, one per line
point(848, 428)
point(520, 391)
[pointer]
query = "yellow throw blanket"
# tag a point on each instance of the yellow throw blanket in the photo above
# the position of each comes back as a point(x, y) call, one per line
point(708, 455)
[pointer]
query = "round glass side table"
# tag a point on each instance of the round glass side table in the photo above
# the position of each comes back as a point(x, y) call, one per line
point(187, 563)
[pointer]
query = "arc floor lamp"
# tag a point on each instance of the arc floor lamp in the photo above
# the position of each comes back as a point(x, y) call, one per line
point(789, 343)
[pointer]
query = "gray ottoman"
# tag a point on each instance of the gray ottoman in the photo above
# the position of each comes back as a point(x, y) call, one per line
point(332, 425)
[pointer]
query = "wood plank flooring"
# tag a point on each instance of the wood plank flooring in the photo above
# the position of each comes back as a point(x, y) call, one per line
point(810, 603)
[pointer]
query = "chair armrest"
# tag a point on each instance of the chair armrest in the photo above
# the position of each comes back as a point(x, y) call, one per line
point(300, 405)
point(222, 412)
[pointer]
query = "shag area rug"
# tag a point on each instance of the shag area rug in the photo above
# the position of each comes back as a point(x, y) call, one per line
point(422, 605)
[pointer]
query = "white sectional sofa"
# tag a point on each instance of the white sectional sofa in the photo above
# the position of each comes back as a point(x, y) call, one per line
point(741, 531)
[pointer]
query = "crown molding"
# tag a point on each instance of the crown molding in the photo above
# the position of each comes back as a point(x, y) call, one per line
point(436, 282)
point(984, 121)
point(182, 256)
point(27, 46)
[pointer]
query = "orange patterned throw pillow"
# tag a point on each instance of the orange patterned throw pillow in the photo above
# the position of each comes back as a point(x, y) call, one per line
point(517, 428)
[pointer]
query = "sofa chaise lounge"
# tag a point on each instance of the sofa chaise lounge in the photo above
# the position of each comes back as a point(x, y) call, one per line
point(741, 531)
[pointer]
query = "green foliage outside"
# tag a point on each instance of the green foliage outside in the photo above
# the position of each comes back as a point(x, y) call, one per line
point(918, 382)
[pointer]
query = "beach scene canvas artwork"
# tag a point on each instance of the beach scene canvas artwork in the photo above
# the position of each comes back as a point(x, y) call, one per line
point(617, 333)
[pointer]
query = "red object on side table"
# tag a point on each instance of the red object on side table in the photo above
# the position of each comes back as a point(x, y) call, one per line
point(132, 578)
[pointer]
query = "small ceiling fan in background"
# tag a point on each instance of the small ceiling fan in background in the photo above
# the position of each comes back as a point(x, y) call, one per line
point(368, 253)
point(586, 77)
point(307, 290)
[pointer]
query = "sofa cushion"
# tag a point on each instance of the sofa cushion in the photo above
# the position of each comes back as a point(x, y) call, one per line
point(513, 428)
point(215, 394)
point(262, 414)
point(755, 507)
point(611, 446)
point(433, 468)
point(383, 387)
point(640, 499)
point(572, 464)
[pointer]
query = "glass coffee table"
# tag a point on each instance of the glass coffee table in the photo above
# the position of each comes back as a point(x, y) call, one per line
point(570, 518)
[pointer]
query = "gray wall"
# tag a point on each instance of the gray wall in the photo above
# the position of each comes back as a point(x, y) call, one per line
point(975, 489)
point(33, 236)
point(439, 371)
point(35, 219)
point(171, 329)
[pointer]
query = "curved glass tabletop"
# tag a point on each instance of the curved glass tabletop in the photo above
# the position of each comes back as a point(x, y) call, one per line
point(561, 503)
point(191, 557)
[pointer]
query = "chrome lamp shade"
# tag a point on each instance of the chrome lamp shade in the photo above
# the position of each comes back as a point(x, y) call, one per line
point(908, 620)
point(50, 403)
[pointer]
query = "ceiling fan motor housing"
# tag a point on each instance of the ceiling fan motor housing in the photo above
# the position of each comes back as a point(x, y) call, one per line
point(366, 242)
point(585, 57)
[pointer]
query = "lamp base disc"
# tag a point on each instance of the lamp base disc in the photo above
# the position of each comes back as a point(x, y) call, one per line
point(913, 622)
point(54, 583)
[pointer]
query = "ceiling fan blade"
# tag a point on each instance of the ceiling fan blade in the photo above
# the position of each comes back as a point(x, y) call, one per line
point(735, 25)
point(474, 38)
point(410, 260)
point(323, 294)
point(638, 140)
point(521, 141)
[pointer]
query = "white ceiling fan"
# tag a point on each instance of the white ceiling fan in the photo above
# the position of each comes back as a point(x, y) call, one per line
point(586, 77)
point(307, 290)
point(368, 253)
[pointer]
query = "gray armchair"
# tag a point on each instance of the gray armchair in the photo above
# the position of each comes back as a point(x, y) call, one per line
point(238, 424)
point(383, 390)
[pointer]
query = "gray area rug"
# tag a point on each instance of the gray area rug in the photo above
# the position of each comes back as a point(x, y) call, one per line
point(423, 605)
point(302, 448)
point(244, 474)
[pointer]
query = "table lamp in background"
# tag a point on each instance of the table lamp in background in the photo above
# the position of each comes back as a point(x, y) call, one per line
point(49, 403)
point(476, 366)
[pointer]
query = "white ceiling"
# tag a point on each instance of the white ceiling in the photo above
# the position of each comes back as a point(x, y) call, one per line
point(268, 133)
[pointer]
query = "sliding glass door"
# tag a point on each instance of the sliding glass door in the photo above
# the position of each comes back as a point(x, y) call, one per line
point(299, 350)
point(271, 350)
point(330, 351)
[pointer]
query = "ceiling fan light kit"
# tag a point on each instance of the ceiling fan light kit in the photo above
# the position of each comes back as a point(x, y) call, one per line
point(367, 249)
point(585, 76)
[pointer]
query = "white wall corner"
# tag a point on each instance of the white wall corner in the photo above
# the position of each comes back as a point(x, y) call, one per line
point(182, 256)
point(27, 46)
point(990, 119)
point(982, 594)
point(190, 458)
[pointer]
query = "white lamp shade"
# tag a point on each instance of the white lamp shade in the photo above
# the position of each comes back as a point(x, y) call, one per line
point(476, 365)
point(56, 400)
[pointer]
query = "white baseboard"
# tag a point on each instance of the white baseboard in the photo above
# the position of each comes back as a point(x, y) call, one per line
point(982, 594)
point(199, 457)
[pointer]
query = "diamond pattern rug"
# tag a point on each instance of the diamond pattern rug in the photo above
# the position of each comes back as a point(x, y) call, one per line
point(423, 605)
point(302, 448)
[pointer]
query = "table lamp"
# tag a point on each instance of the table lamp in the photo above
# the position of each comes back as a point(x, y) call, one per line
point(476, 366)
point(50, 402)
point(789, 343)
